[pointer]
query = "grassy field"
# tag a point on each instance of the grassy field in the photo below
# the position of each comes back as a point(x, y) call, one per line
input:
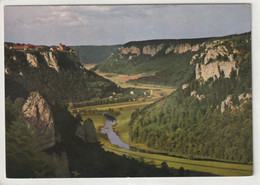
point(218, 168)
point(121, 80)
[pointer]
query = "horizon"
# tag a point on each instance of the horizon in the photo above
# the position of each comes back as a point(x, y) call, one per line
point(132, 41)
point(119, 24)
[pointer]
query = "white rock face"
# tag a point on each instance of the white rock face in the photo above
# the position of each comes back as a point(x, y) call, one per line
point(184, 86)
point(227, 103)
point(227, 68)
point(169, 49)
point(32, 60)
point(195, 48)
point(196, 95)
point(51, 60)
point(133, 50)
point(194, 57)
point(217, 60)
point(213, 53)
point(152, 50)
point(125, 50)
point(214, 70)
point(182, 48)
point(38, 115)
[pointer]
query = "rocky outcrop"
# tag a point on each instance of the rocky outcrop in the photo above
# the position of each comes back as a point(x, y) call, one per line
point(196, 95)
point(38, 116)
point(185, 86)
point(213, 53)
point(132, 50)
point(169, 49)
point(32, 60)
point(51, 60)
point(125, 50)
point(215, 69)
point(227, 103)
point(87, 132)
point(152, 49)
point(135, 50)
point(182, 48)
point(217, 60)
point(194, 57)
point(195, 48)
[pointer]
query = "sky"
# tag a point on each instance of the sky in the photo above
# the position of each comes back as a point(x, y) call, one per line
point(108, 25)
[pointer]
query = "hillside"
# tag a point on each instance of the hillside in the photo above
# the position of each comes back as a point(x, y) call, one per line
point(95, 54)
point(57, 75)
point(43, 139)
point(167, 61)
point(210, 114)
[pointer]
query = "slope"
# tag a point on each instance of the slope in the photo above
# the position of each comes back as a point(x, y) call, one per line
point(167, 62)
point(210, 115)
point(57, 75)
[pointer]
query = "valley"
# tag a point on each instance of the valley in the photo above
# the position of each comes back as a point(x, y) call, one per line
point(141, 151)
point(163, 107)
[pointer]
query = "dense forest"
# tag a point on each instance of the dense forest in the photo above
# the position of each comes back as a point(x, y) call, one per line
point(197, 122)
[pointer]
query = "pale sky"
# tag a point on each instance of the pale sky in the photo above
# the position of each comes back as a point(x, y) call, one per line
point(107, 25)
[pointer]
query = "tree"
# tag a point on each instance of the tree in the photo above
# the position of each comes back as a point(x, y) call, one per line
point(164, 165)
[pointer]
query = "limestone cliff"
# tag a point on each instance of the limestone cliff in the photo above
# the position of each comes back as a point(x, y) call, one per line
point(228, 104)
point(152, 49)
point(38, 116)
point(32, 59)
point(217, 60)
point(50, 59)
point(87, 132)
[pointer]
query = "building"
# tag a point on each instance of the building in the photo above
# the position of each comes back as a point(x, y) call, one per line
point(25, 47)
point(61, 47)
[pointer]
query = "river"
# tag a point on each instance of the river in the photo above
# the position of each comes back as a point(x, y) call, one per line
point(112, 136)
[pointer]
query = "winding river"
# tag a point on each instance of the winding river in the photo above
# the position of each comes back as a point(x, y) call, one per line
point(112, 136)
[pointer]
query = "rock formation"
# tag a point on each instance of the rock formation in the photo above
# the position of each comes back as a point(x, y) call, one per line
point(169, 49)
point(182, 48)
point(152, 50)
point(196, 95)
point(51, 60)
point(87, 132)
point(38, 116)
point(32, 60)
point(213, 53)
point(227, 103)
point(217, 60)
point(132, 50)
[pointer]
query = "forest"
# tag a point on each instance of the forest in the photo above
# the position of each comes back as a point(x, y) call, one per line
point(186, 125)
